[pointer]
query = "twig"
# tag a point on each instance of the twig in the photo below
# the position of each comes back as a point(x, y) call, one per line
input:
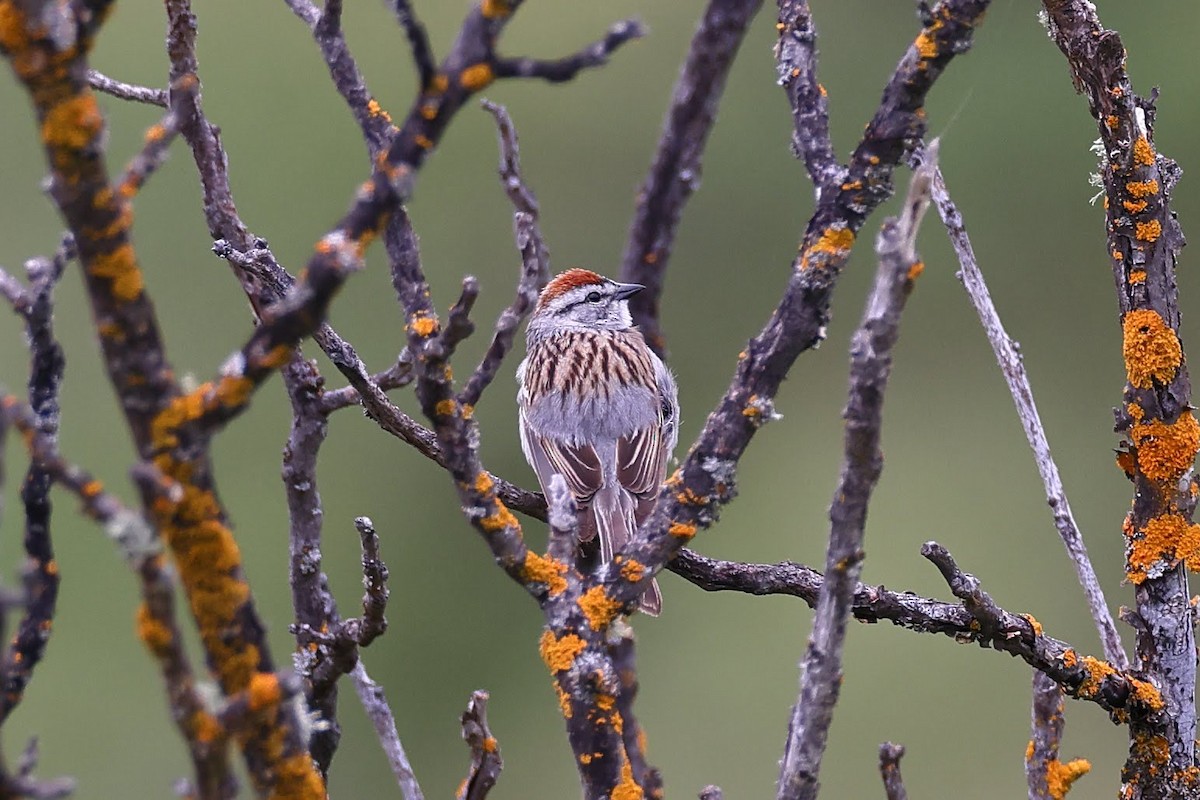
point(380, 713)
point(158, 140)
point(1019, 387)
point(418, 41)
point(375, 575)
point(24, 785)
point(312, 602)
point(889, 767)
point(1049, 778)
point(796, 69)
point(565, 69)
point(675, 170)
point(486, 762)
point(535, 263)
point(1155, 417)
point(126, 91)
point(870, 367)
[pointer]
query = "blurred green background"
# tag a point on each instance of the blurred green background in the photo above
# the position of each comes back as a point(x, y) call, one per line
point(718, 672)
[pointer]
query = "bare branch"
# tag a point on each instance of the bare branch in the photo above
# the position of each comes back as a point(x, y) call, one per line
point(862, 462)
point(889, 767)
point(418, 42)
point(675, 170)
point(486, 762)
point(126, 91)
point(565, 69)
point(796, 68)
point(1011, 365)
point(380, 713)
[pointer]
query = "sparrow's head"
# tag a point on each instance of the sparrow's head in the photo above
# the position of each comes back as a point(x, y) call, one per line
point(579, 298)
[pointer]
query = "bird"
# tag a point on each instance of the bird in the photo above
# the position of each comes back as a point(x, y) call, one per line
point(599, 407)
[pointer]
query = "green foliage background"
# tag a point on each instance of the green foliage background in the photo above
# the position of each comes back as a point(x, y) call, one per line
point(718, 672)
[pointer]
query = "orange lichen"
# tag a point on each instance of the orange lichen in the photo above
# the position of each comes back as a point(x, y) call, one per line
point(1033, 623)
point(494, 9)
point(205, 727)
point(277, 356)
point(376, 110)
point(559, 654)
point(1060, 776)
point(153, 633)
point(1166, 450)
point(498, 521)
point(633, 570)
point(915, 270)
point(1136, 413)
point(564, 701)
point(1148, 231)
point(627, 788)
point(72, 123)
point(1142, 188)
point(1112, 121)
point(430, 110)
point(682, 529)
point(445, 408)
point(119, 266)
point(1097, 672)
point(605, 702)
point(544, 569)
point(12, 27)
point(1151, 349)
point(91, 489)
point(484, 483)
point(834, 242)
point(476, 77)
point(264, 691)
point(1134, 206)
point(440, 83)
point(1145, 693)
point(1118, 255)
point(598, 607)
point(1166, 539)
point(926, 46)
point(1069, 658)
point(1137, 276)
point(424, 326)
point(1143, 152)
point(422, 141)
point(296, 778)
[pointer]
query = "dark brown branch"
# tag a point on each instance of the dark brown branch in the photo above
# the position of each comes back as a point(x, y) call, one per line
point(565, 69)
point(675, 170)
point(889, 768)
point(418, 42)
point(486, 762)
point(1161, 433)
point(796, 68)
point(705, 482)
point(862, 462)
point(380, 713)
point(126, 91)
point(1047, 777)
point(1013, 368)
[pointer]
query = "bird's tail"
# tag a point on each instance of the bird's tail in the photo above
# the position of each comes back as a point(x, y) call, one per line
point(612, 513)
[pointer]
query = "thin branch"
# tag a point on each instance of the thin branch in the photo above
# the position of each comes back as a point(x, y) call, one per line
point(418, 41)
point(870, 367)
point(565, 69)
point(1049, 778)
point(535, 262)
point(796, 69)
point(380, 713)
point(126, 91)
point(889, 767)
point(375, 576)
point(153, 154)
point(1013, 368)
point(486, 762)
point(675, 169)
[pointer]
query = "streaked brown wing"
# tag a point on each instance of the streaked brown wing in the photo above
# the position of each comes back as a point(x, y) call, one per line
point(579, 465)
point(642, 462)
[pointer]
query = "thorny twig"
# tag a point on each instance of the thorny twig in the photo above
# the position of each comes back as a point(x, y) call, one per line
point(862, 462)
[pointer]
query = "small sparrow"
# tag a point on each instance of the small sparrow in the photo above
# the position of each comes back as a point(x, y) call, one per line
point(598, 407)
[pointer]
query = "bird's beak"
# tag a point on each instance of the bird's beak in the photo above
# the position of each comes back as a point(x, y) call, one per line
point(627, 290)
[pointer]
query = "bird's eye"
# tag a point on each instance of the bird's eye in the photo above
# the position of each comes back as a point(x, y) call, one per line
point(593, 297)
